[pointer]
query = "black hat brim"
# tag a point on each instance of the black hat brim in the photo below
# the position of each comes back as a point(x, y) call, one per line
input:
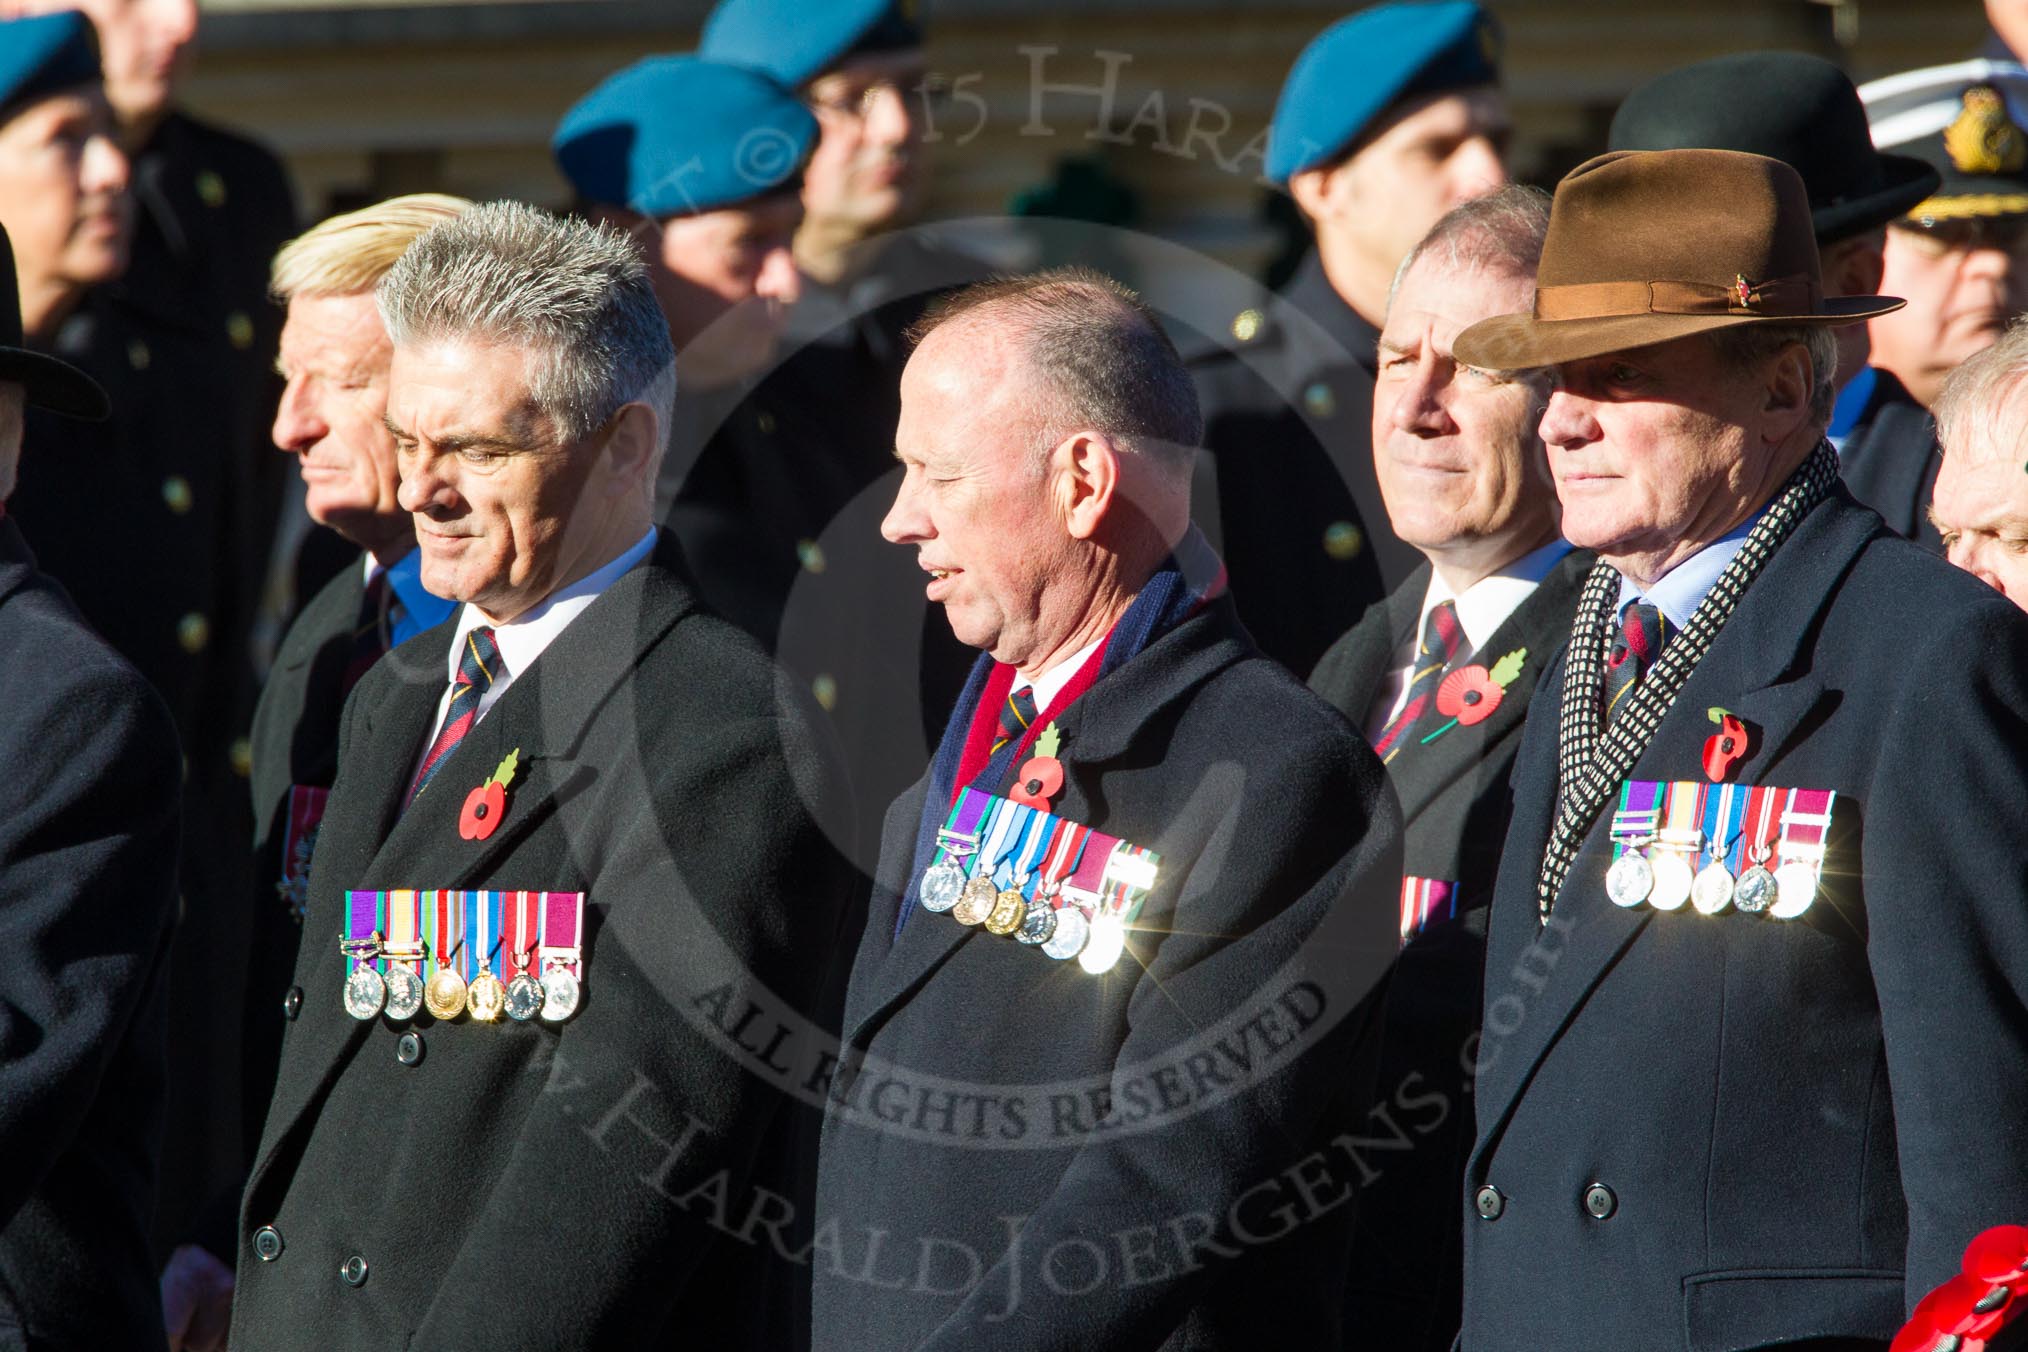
point(55, 385)
point(1908, 182)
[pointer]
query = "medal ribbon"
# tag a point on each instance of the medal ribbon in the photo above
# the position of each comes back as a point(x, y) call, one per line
point(1806, 820)
point(1033, 850)
point(519, 934)
point(447, 938)
point(404, 922)
point(1421, 901)
point(1639, 814)
point(362, 923)
point(1089, 878)
point(1130, 876)
point(997, 836)
point(479, 932)
point(1024, 818)
point(1683, 815)
point(1721, 821)
point(1063, 859)
point(962, 827)
point(1760, 820)
point(562, 930)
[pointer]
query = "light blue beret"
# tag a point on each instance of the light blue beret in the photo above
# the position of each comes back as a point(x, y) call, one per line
point(1359, 67)
point(797, 40)
point(41, 55)
point(677, 135)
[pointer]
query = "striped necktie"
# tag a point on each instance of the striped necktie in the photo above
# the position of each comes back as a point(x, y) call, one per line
point(478, 669)
point(1442, 636)
point(1015, 716)
point(1643, 632)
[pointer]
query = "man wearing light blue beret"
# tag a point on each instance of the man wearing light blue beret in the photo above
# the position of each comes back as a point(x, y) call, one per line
point(1388, 119)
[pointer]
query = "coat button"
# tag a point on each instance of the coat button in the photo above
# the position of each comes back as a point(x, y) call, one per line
point(193, 632)
point(292, 1003)
point(409, 1051)
point(1599, 1201)
point(354, 1271)
point(1489, 1202)
point(267, 1244)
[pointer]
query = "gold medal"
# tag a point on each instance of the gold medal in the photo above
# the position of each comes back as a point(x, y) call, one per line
point(1009, 910)
point(486, 998)
point(445, 994)
point(977, 902)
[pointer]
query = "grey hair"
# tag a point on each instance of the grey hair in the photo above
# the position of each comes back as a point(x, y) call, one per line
point(576, 294)
point(1104, 360)
point(1502, 231)
point(1977, 392)
point(1744, 347)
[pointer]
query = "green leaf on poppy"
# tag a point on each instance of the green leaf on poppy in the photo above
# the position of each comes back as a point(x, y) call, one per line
point(1507, 668)
point(504, 776)
point(1049, 741)
point(1716, 714)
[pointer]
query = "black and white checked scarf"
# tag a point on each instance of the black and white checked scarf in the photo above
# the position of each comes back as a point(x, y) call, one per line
point(1588, 773)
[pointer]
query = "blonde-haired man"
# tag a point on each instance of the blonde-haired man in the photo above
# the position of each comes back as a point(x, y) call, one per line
point(334, 358)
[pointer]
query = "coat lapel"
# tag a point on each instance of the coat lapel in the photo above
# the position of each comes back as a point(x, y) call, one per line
point(1541, 624)
point(1096, 728)
point(1754, 670)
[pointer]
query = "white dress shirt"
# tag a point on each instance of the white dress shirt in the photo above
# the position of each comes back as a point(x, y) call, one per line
point(522, 640)
point(1482, 608)
point(1050, 683)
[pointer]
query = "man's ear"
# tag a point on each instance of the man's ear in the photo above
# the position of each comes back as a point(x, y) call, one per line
point(633, 446)
point(1318, 191)
point(1854, 267)
point(1086, 467)
point(1786, 389)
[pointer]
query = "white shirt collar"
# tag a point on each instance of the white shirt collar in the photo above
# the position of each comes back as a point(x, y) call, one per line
point(1050, 683)
point(522, 639)
point(1485, 605)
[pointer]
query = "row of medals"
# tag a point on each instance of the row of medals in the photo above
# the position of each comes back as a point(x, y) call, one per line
point(1665, 882)
point(402, 994)
point(1059, 931)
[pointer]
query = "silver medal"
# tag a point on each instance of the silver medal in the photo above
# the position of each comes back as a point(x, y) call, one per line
point(559, 994)
point(404, 991)
point(1072, 929)
point(524, 998)
point(1795, 890)
point(1630, 879)
point(1039, 925)
point(365, 993)
point(1755, 891)
point(942, 884)
point(1712, 892)
point(1672, 882)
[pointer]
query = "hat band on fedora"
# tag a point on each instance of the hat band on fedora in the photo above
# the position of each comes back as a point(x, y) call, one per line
point(1793, 295)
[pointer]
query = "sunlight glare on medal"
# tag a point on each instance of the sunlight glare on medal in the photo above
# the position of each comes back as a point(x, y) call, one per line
point(1108, 940)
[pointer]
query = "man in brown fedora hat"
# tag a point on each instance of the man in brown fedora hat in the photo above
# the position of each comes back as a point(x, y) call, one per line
point(1752, 956)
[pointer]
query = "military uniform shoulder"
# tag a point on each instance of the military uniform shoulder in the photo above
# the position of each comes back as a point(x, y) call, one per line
point(225, 148)
point(1251, 329)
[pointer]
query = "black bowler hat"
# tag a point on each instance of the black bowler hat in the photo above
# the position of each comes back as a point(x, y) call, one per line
point(52, 384)
point(1787, 106)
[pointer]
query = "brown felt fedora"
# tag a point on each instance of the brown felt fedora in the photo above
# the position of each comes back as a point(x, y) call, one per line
point(1649, 245)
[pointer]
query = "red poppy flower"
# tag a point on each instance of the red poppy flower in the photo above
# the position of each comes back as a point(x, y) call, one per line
point(1469, 695)
point(484, 807)
point(1039, 779)
point(1999, 1256)
point(1725, 749)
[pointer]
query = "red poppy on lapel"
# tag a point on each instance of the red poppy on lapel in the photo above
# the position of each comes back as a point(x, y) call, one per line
point(1726, 748)
point(1039, 779)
